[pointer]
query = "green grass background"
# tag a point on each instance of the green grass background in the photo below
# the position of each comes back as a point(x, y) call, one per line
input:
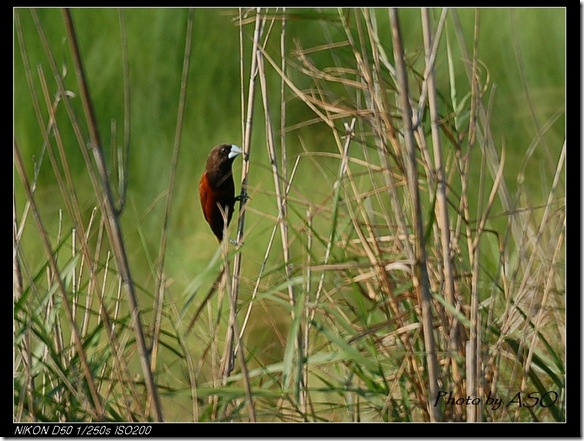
point(213, 109)
point(522, 51)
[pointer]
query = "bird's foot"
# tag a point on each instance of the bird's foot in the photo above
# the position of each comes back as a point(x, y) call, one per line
point(243, 197)
point(235, 243)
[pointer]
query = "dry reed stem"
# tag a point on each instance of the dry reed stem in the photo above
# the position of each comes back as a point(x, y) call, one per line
point(247, 132)
point(421, 282)
point(109, 213)
point(282, 217)
point(160, 288)
point(447, 276)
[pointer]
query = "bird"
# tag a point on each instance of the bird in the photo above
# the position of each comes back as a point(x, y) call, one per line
point(217, 189)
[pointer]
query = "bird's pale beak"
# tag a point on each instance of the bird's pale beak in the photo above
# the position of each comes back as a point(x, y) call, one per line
point(235, 151)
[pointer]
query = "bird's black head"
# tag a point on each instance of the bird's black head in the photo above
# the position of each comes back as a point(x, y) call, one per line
point(220, 160)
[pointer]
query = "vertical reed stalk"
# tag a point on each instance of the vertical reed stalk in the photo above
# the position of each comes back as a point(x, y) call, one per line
point(442, 201)
point(109, 213)
point(160, 288)
point(234, 292)
point(421, 283)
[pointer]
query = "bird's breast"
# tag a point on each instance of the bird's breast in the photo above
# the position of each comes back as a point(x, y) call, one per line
point(212, 196)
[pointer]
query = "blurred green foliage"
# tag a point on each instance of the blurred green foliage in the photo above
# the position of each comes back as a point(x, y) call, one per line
point(522, 50)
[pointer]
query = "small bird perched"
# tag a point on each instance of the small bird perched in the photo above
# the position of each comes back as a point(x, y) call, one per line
point(216, 188)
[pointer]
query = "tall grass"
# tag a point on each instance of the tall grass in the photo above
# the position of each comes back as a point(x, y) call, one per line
point(384, 269)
